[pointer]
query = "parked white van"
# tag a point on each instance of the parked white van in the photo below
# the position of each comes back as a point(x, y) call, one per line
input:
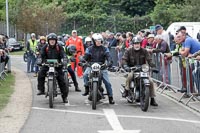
point(192, 28)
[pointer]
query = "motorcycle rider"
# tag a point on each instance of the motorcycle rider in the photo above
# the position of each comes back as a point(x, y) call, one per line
point(137, 55)
point(71, 51)
point(40, 44)
point(98, 53)
point(52, 51)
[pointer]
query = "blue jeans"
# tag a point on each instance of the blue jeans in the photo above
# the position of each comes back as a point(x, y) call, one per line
point(105, 79)
point(31, 62)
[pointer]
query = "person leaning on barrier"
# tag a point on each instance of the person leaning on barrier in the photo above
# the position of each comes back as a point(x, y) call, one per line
point(189, 45)
point(137, 56)
point(4, 50)
point(52, 50)
point(98, 53)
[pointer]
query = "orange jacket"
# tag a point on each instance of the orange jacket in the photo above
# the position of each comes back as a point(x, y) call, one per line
point(78, 43)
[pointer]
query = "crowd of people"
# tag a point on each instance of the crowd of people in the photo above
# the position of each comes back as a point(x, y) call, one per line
point(4, 50)
point(95, 47)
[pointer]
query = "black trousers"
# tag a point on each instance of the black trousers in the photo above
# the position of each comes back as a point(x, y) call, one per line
point(72, 73)
point(60, 78)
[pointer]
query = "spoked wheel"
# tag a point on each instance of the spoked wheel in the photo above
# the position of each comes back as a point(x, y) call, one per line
point(144, 98)
point(25, 56)
point(94, 95)
point(66, 81)
point(51, 94)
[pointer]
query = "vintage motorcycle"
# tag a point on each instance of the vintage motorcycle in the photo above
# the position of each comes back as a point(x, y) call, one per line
point(139, 86)
point(95, 82)
point(51, 80)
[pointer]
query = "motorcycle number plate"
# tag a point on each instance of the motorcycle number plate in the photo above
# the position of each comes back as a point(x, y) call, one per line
point(143, 74)
point(51, 69)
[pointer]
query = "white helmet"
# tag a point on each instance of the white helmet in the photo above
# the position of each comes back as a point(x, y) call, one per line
point(97, 36)
point(32, 34)
point(88, 39)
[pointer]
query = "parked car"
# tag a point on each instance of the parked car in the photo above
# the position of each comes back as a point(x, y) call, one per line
point(14, 45)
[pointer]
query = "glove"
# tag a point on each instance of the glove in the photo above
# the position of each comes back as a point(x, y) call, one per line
point(109, 64)
point(72, 59)
point(81, 59)
point(127, 69)
point(65, 61)
point(39, 61)
point(80, 64)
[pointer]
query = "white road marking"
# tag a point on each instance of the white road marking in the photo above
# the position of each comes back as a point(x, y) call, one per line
point(124, 116)
point(115, 124)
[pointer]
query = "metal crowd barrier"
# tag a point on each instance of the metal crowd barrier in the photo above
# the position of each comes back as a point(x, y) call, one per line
point(178, 74)
point(113, 54)
point(2, 72)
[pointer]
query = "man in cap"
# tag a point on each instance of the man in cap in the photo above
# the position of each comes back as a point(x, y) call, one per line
point(77, 41)
point(160, 31)
point(31, 48)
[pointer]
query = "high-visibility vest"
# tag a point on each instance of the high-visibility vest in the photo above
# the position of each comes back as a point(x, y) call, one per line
point(33, 45)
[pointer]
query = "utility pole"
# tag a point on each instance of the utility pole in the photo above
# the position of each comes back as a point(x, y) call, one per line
point(47, 28)
point(7, 21)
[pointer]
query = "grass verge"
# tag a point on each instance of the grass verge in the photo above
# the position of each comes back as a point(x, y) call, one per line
point(21, 52)
point(6, 89)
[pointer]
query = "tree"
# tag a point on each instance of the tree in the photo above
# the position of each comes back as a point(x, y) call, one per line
point(39, 17)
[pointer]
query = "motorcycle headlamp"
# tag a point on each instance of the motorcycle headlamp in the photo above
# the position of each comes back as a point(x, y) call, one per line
point(96, 67)
point(145, 68)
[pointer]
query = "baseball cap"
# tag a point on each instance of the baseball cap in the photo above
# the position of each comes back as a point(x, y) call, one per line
point(181, 28)
point(74, 31)
point(151, 36)
point(158, 27)
point(32, 34)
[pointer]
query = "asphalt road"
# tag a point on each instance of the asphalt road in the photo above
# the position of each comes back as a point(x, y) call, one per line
point(78, 117)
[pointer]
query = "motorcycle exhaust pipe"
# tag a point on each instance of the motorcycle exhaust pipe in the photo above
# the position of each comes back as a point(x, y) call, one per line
point(122, 90)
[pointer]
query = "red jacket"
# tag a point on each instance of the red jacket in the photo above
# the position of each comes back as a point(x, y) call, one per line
point(78, 43)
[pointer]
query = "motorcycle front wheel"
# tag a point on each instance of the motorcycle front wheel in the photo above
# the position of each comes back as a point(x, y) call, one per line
point(94, 95)
point(144, 98)
point(50, 92)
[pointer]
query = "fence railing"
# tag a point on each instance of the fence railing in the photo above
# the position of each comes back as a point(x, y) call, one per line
point(2, 72)
point(178, 74)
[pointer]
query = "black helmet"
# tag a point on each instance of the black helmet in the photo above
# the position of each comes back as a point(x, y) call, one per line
point(137, 40)
point(71, 49)
point(60, 38)
point(52, 36)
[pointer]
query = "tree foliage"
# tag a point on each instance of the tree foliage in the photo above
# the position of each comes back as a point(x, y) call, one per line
point(33, 18)
point(62, 16)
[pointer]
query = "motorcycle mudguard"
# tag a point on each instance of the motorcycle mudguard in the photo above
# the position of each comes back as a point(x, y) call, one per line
point(95, 79)
point(50, 77)
point(146, 81)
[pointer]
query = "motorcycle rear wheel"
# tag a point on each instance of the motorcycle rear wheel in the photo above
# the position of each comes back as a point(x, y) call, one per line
point(25, 56)
point(144, 98)
point(94, 95)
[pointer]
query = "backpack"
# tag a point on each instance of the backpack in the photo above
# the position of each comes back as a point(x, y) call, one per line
point(57, 48)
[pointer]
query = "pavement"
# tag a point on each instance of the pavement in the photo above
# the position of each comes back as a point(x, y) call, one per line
point(15, 114)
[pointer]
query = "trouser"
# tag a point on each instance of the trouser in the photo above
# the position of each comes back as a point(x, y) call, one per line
point(75, 65)
point(60, 78)
point(151, 88)
point(72, 74)
point(104, 78)
point(31, 62)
